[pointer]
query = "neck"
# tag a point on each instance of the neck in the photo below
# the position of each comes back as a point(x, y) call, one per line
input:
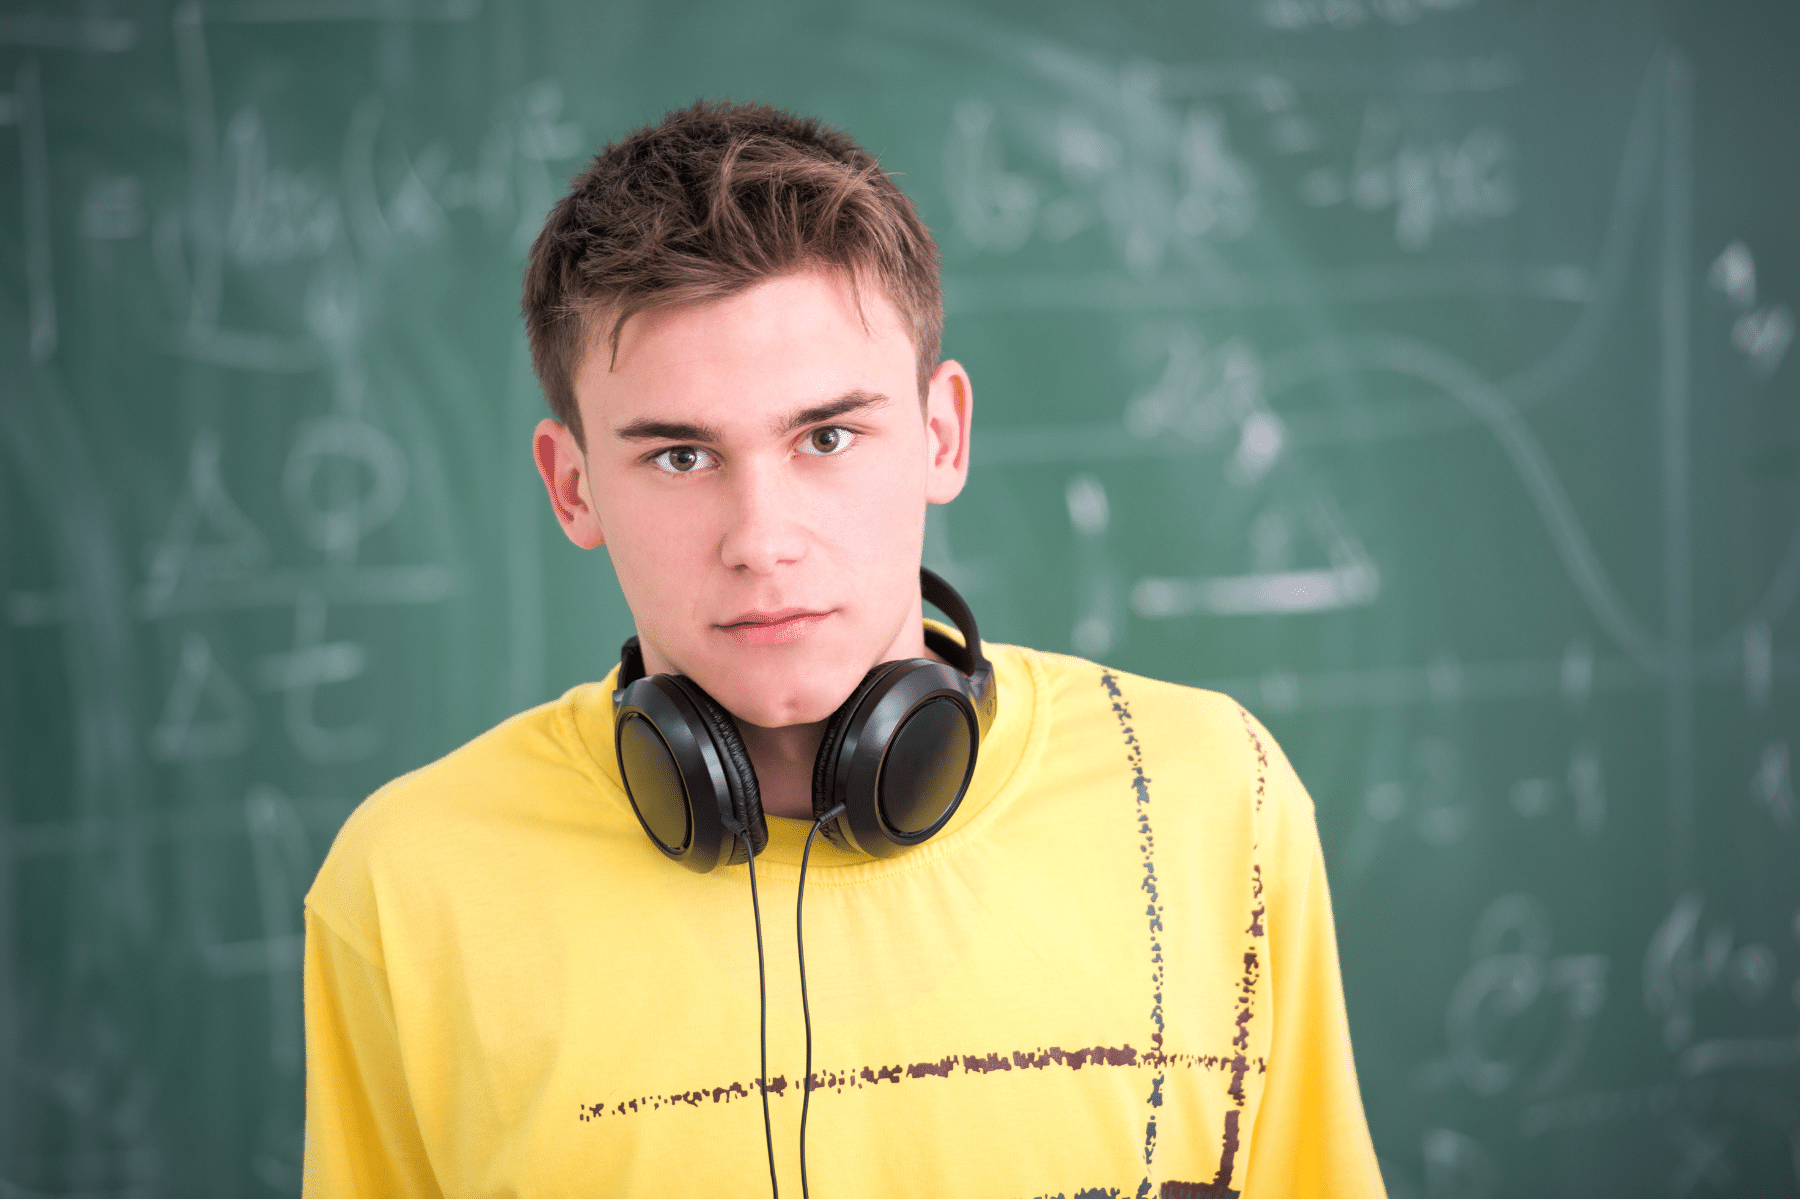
point(783, 758)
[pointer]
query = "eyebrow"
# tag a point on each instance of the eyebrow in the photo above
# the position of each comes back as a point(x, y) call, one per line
point(648, 429)
point(843, 406)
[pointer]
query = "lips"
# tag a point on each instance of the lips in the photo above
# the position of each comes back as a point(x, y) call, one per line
point(771, 628)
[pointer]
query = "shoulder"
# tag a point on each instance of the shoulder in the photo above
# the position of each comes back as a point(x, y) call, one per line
point(532, 769)
point(1190, 741)
point(482, 778)
point(1069, 675)
point(1083, 691)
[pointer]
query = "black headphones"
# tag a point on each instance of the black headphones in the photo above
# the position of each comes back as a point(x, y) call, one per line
point(898, 754)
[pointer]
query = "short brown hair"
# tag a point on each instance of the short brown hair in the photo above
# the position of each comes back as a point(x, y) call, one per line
point(711, 200)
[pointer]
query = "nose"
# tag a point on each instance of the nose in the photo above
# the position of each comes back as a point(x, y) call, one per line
point(765, 525)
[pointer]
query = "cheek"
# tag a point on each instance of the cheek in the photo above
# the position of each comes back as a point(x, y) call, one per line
point(655, 539)
point(882, 513)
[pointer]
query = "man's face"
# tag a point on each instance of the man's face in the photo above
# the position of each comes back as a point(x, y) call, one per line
point(758, 468)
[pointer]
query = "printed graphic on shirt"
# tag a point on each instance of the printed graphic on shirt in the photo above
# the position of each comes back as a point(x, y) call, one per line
point(1239, 1063)
point(1233, 1065)
point(1170, 1188)
point(1246, 985)
point(856, 1078)
point(1140, 786)
point(1174, 1187)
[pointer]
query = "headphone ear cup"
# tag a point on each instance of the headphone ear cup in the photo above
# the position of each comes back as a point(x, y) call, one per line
point(898, 756)
point(746, 797)
point(825, 763)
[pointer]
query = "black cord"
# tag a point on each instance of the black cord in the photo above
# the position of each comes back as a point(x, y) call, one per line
point(805, 1012)
point(762, 999)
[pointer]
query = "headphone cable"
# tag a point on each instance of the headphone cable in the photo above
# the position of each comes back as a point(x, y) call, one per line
point(762, 996)
point(805, 1012)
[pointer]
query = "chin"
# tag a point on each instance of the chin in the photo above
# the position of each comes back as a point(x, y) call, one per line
point(786, 696)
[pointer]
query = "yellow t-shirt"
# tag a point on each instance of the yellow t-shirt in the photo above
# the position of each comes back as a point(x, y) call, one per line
point(1113, 973)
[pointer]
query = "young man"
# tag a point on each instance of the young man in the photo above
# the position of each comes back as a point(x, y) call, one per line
point(1109, 969)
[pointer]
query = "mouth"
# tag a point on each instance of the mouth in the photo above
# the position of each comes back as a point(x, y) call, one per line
point(771, 628)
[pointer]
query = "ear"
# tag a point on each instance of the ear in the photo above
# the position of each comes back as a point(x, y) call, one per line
point(949, 412)
point(564, 467)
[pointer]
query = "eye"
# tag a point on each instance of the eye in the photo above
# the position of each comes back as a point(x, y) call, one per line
point(682, 460)
point(830, 439)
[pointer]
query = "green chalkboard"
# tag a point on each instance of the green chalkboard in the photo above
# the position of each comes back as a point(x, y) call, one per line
point(1417, 371)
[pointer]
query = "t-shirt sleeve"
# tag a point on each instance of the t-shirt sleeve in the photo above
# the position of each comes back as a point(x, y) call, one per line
point(362, 1137)
point(1311, 1137)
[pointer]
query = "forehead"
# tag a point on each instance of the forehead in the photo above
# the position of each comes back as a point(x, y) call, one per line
point(792, 339)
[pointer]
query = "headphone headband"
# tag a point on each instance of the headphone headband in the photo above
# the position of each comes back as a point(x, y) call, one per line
point(967, 657)
point(631, 666)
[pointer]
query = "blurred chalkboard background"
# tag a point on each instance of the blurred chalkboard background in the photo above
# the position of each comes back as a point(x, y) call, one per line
point(1419, 372)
